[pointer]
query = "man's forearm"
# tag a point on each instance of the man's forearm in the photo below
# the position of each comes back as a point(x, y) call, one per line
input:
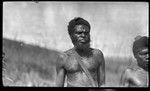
point(101, 83)
point(101, 79)
point(59, 82)
point(60, 78)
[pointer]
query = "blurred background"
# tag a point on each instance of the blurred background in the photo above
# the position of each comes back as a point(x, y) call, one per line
point(114, 25)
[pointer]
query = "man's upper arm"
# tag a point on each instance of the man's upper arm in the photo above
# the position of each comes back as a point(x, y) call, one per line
point(101, 69)
point(60, 71)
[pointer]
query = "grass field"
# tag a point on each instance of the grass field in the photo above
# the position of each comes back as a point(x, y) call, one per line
point(114, 68)
point(29, 65)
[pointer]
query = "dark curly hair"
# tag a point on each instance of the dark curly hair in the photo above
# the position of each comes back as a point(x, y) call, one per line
point(77, 21)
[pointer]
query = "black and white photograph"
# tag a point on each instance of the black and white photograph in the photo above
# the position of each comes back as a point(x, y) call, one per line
point(75, 44)
point(102, 90)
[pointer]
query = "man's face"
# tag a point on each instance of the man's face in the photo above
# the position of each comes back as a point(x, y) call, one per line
point(143, 56)
point(81, 35)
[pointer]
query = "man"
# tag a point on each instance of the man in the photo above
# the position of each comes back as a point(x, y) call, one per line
point(92, 59)
point(138, 76)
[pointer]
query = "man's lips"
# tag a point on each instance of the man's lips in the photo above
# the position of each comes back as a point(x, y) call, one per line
point(146, 60)
point(81, 40)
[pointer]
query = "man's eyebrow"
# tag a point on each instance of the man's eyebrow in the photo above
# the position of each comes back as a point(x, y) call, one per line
point(143, 52)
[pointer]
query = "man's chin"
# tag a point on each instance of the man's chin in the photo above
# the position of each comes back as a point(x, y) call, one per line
point(83, 45)
point(145, 64)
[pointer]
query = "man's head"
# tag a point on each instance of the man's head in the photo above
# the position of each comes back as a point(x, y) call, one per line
point(79, 31)
point(140, 50)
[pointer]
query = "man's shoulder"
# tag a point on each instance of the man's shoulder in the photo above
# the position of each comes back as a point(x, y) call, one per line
point(132, 68)
point(129, 71)
point(64, 55)
point(70, 51)
point(98, 55)
point(62, 58)
point(97, 51)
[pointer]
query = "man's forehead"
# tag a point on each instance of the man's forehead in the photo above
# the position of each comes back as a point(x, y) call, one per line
point(80, 26)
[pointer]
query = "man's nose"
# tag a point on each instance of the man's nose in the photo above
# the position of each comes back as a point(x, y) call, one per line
point(147, 56)
point(82, 34)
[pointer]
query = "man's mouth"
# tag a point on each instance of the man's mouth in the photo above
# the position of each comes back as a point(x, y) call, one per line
point(145, 59)
point(145, 62)
point(82, 41)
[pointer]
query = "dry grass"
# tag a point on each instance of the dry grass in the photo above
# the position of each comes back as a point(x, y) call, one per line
point(28, 64)
point(114, 70)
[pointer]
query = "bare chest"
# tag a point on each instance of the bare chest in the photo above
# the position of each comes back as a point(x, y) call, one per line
point(139, 79)
point(72, 64)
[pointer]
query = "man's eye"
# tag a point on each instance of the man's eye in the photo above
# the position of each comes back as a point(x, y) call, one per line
point(79, 33)
point(143, 53)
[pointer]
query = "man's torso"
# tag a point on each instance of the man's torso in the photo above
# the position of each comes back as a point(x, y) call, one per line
point(75, 75)
point(137, 78)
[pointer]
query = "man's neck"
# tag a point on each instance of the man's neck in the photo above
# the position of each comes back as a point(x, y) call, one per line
point(85, 51)
point(145, 68)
